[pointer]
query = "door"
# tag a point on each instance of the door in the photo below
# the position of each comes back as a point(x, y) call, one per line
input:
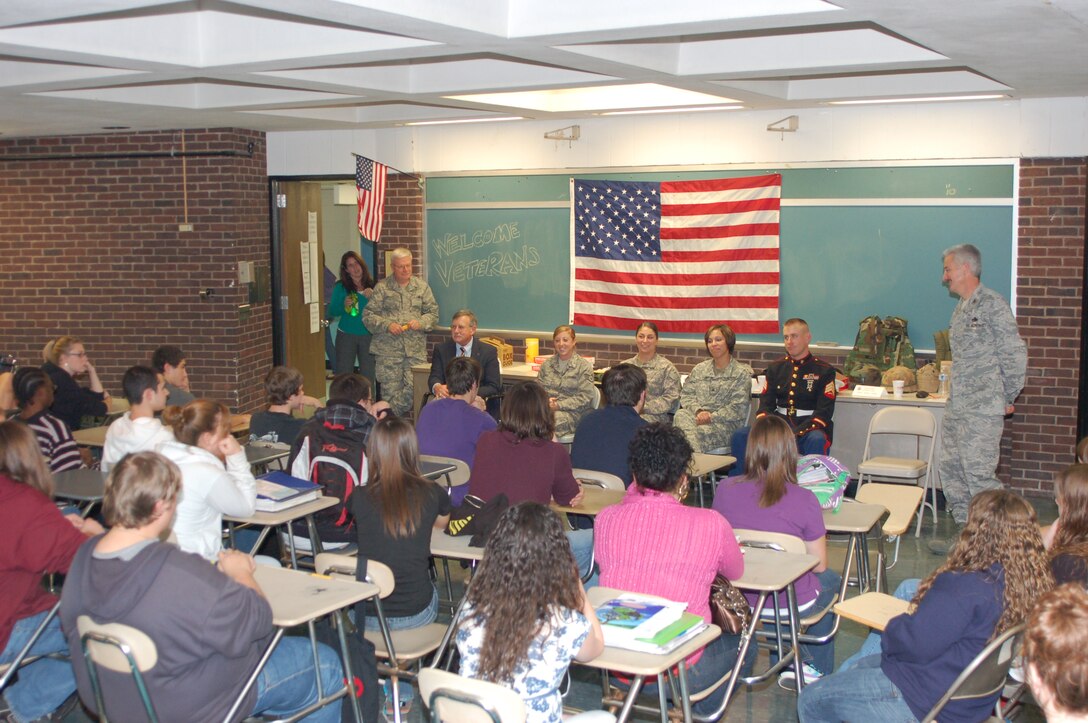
point(298, 209)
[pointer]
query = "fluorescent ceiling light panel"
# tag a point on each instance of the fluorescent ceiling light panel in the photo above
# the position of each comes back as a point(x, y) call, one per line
point(602, 97)
point(764, 53)
point(464, 120)
point(445, 77)
point(931, 99)
point(650, 111)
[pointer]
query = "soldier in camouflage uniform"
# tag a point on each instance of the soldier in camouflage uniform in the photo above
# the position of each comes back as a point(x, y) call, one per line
point(662, 379)
point(568, 380)
point(400, 313)
point(988, 369)
point(716, 397)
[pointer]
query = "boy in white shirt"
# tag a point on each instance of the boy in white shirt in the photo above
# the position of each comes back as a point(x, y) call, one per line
point(138, 430)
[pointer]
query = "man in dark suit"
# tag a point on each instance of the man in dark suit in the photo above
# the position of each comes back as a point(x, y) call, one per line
point(463, 343)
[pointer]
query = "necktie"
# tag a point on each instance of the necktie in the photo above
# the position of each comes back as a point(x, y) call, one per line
point(462, 351)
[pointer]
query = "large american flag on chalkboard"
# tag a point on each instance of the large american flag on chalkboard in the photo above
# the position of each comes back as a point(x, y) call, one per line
point(683, 254)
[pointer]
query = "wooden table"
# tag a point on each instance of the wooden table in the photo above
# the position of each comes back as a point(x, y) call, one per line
point(271, 520)
point(90, 436)
point(81, 485)
point(640, 665)
point(857, 520)
point(299, 598)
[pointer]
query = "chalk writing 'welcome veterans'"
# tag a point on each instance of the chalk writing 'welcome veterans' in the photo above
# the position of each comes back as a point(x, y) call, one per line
point(497, 263)
point(452, 243)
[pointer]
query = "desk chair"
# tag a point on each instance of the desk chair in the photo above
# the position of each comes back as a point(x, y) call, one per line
point(121, 649)
point(23, 657)
point(792, 544)
point(901, 502)
point(452, 698)
point(604, 480)
point(985, 675)
point(900, 421)
point(568, 439)
point(457, 477)
point(401, 648)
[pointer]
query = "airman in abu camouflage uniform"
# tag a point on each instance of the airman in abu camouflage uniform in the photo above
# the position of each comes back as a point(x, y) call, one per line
point(400, 313)
point(568, 382)
point(716, 398)
point(662, 379)
point(989, 364)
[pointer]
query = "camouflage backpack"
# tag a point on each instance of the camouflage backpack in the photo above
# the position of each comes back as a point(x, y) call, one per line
point(880, 345)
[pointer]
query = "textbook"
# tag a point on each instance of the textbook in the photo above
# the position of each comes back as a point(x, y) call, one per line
point(631, 617)
point(278, 491)
point(669, 637)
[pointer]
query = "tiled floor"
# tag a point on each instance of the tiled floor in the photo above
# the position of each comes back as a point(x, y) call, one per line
point(767, 702)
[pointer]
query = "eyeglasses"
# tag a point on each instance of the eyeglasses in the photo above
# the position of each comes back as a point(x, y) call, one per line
point(76, 353)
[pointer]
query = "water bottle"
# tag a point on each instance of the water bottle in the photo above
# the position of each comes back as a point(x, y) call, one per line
point(942, 389)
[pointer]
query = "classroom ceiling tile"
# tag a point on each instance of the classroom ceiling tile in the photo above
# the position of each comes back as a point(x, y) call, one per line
point(601, 97)
point(202, 39)
point(771, 53)
point(18, 72)
point(196, 95)
point(872, 85)
point(443, 76)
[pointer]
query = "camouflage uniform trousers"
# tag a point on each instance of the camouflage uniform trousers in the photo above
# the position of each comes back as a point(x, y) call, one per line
point(705, 437)
point(394, 373)
point(970, 450)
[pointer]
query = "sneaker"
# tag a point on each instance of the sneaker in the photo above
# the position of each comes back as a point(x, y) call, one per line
point(939, 547)
point(406, 695)
point(786, 679)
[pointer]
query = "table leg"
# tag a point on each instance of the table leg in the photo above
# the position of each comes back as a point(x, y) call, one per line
point(685, 695)
point(663, 697)
point(349, 674)
point(315, 539)
point(629, 701)
point(291, 546)
point(253, 676)
point(794, 618)
point(851, 550)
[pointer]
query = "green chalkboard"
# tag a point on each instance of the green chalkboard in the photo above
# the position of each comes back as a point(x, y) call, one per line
point(854, 241)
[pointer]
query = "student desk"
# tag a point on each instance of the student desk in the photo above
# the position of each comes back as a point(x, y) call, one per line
point(81, 485)
point(434, 470)
point(873, 609)
point(299, 598)
point(766, 572)
point(90, 436)
point(449, 548)
point(510, 374)
point(271, 520)
point(857, 520)
point(594, 500)
point(260, 456)
point(641, 665)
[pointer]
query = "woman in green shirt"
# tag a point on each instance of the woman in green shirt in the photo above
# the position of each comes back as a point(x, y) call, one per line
point(349, 298)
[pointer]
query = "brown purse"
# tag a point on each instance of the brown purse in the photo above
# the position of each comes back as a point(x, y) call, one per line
point(729, 609)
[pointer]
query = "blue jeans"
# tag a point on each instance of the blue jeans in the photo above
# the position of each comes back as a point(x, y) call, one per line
point(287, 683)
point(822, 656)
point(423, 617)
point(717, 659)
point(813, 442)
point(44, 684)
point(581, 545)
point(871, 646)
point(861, 694)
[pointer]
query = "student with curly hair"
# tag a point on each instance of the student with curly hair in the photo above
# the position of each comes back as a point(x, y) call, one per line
point(1056, 653)
point(527, 615)
point(1067, 539)
point(989, 583)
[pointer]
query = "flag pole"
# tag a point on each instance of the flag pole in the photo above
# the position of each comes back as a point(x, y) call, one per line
point(394, 168)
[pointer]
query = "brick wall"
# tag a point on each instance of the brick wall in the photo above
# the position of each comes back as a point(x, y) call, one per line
point(91, 248)
point(403, 221)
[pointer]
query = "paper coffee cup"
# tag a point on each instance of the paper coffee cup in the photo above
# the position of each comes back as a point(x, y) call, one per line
point(897, 388)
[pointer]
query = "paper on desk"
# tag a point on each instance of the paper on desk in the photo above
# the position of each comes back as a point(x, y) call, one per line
point(315, 318)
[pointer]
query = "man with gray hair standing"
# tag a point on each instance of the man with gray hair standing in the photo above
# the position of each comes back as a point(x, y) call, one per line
point(988, 370)
point(399, 314)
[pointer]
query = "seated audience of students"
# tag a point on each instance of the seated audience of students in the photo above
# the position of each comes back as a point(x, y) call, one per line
point(210, 623)
point(34, 395)
point(1056, 653)
point(65, 359)
point(394, 516)
point(768, 498)
point(450, 426)
point(138, 430)
point(340, 431)
point(993, 576)
point(678, 552)
point(521, 460)
point(662, 379)
point(527, 615)
point(716, 398)
point(171, 362)
point(214, 471)
point(285, 395)
point(604, 434)
point(37, 539)
point(568, 380)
